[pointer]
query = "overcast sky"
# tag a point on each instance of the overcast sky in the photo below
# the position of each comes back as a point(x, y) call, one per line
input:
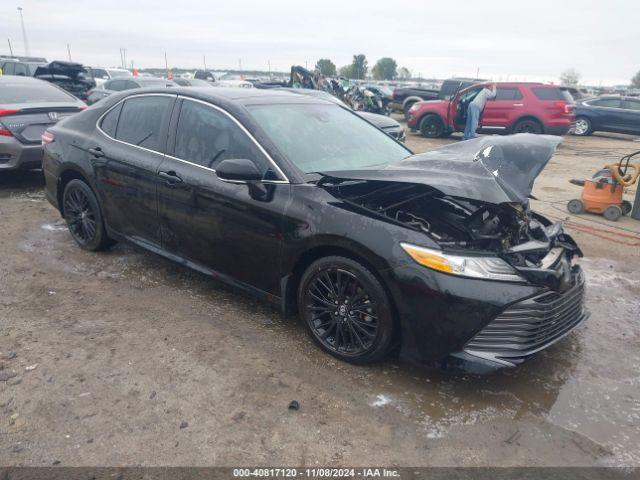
point(506, 40)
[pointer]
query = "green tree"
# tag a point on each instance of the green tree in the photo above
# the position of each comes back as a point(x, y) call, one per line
point(326, 67)
point(635, 81)
point(359, 66)
point(385, 69)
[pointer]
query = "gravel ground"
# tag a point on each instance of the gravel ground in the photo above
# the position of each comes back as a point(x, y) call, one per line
point(122, 358)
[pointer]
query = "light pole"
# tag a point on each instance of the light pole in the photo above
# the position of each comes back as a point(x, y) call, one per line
point(24, 34)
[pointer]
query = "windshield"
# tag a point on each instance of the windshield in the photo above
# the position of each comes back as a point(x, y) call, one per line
point(323, 138)
point(119, 73)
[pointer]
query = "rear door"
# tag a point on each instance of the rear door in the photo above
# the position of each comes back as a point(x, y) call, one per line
point(631, 120)
point(609, 113)
point(234, 229)
point(501, 111)
point(126, 153)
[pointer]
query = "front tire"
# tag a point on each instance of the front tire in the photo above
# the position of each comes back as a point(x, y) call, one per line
point(583, 127)
point(346, 310)
point(431, 126)
point(84, 217)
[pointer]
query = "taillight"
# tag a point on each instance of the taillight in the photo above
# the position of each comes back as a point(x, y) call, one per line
point(564, 106)
point(47, 137)
point(6, 112)
point(83, 107)
point(5, 133)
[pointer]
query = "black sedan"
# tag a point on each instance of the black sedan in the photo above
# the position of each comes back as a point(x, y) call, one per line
point(120, 84)
point(303, 203)
point(612, 113)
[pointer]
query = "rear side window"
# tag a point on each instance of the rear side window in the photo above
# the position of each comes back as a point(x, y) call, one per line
point(8, 68)
point(206, 136)
point(117, 85)
point(606, 102)
point(633, 105)
point(110, 121)
point(508, 93)
point(33, 92)
point(141, 120)
point(551, 93)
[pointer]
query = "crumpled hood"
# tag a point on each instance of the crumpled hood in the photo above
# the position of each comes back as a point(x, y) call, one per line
point(57, 67)
point(492, 169)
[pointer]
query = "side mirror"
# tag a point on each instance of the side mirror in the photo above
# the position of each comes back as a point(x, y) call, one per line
point(239, 170)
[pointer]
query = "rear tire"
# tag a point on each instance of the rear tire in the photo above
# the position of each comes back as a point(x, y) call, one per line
point(84, 217)
point(626, 207)
point(431, 126)
point(346, 310)
point(528, 125)
point(583, 127)
point(613, 213)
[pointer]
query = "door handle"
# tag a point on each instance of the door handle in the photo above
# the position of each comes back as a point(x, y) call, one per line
point(170, 177)
point(96, 152)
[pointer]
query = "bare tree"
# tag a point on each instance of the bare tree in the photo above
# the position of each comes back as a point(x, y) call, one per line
point(570, 78)
point(635, 81)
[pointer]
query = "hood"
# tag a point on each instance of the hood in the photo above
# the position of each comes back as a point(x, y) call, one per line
point(380, 121)
point(492, 169)
point(69, 69)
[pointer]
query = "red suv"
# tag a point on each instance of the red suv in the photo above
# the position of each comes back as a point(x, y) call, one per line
point(517, 108)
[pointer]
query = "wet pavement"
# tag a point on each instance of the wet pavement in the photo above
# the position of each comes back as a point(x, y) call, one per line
point(127, 347)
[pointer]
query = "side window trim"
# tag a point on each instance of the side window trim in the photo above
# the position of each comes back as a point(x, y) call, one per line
point(278, 170)
point(99, 121)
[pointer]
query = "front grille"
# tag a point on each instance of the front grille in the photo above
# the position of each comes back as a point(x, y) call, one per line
point(531, 325)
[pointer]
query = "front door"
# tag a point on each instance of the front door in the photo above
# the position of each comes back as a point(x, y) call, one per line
point(126, 154)
point(234, 229)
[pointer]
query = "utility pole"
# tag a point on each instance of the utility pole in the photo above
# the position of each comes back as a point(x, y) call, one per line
point(166, 64)
point(478, 73)
point(204, 61)
point(69, 51)
point(10, 49)
point(124, 57)
point(269, 63)
point(24, 34)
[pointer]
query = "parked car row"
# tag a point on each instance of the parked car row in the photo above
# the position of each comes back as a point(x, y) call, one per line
point(300, 201)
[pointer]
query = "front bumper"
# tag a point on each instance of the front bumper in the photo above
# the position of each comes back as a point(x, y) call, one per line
point(15, 155)
point(480, 325)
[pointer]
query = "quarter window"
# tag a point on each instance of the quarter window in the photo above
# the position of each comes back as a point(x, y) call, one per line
point(141, 120)
point(110, 121)
point(206, 136)
point(116, 85)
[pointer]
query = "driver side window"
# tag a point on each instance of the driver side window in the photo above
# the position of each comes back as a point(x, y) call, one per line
point(206, 136)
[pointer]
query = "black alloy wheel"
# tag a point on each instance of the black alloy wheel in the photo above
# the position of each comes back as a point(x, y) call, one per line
point(528, 126)
point(431, 126)
point(83, 216)
point(346, 310)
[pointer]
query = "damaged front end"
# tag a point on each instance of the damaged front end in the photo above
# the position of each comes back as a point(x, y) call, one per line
point(476, 210)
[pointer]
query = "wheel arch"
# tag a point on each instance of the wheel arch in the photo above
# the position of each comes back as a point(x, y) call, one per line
point(356, 252)
point(411, 99)
point(68, 173)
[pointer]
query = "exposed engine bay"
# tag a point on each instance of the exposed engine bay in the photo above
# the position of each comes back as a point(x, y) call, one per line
point(526, 240)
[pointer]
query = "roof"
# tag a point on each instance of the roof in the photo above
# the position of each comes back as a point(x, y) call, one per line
point(246, 96)
point(18, 79)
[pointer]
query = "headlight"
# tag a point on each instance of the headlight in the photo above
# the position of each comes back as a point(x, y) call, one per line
point(489, 268)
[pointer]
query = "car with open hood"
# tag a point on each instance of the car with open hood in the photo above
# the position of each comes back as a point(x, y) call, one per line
point(72, 77)
point(305, 204)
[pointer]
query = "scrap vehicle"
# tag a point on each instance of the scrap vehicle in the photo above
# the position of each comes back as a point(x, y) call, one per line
point(366, 99)
point(20, 66)
point(120, 84)
point(305, 204)
point(102, 74)
point(385, 123)
point(404, 98)
point(609, 113)
point(27, 107)
point(602, 194)
point(72, 77)
point(517, 108)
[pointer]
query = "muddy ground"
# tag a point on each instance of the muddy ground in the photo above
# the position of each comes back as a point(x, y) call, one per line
point(123, 358)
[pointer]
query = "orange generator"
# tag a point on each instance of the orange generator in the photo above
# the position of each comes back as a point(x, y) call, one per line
point(602, 194)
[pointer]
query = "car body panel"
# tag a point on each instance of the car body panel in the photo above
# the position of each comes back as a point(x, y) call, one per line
point(622, 118)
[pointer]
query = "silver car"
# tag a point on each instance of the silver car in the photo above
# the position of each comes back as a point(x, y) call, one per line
point(29, 106)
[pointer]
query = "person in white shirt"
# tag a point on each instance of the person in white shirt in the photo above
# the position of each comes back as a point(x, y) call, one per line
point(475, 110)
